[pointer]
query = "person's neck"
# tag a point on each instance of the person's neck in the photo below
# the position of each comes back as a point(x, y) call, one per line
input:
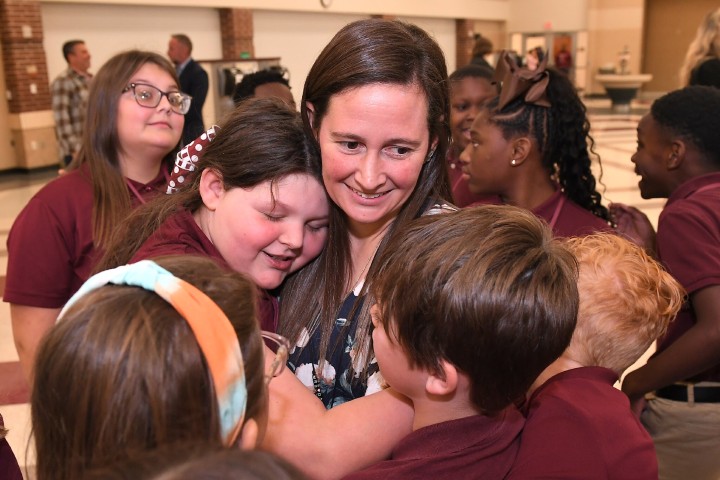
point(562, 364)
point(432, 409)
point(141, 170)
point(83, 73)
point(364, 242)
point(532, 188)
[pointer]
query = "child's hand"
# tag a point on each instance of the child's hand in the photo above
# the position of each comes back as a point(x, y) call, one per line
point(634, 225)
point(638, 406)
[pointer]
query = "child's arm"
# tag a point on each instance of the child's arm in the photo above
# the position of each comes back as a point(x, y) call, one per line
point(694, 352)
point(329, 444)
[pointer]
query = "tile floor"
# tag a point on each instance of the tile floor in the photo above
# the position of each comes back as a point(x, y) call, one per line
point(615, 142)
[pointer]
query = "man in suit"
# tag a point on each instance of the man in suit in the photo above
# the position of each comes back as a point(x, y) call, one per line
point(193, 81)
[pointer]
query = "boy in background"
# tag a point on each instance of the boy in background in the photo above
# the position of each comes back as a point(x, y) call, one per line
point(578, 425)
point(472, 306)
point(678, 158)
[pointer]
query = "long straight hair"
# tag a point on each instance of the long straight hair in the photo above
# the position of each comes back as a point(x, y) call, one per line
point(123, 373)
point(366, 52)
point(101, 143)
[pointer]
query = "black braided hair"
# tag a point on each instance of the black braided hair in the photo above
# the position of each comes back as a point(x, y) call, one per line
point(562, 134)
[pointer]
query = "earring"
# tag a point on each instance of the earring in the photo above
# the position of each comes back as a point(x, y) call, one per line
point(513, 162)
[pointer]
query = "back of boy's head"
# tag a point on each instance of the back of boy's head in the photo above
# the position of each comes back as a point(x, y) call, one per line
point(198, 461)
point(692, 113)
point(248, 84)
point(123, 370)
point(485, 288)
point(627, 301)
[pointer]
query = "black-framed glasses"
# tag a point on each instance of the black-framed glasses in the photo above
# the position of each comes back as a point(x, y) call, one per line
point(149, 96)
point(281, 346)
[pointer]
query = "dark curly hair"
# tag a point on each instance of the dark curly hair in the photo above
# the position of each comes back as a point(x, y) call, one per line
point(248, 84)
point(692, 113)
point(562, 134)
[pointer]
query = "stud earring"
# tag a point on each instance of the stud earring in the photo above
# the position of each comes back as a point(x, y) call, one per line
point(513, 162)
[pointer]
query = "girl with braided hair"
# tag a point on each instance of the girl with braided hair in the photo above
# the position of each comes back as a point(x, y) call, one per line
point(531, 147)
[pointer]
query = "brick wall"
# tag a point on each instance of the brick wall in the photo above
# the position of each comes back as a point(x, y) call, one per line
point(23, 56)
point(464, 41)
point(236, 25)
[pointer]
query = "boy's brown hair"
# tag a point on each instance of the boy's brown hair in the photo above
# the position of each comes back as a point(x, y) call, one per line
point(627, 301)
point(487, 289)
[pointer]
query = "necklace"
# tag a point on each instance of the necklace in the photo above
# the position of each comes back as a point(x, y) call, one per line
point(362, 272)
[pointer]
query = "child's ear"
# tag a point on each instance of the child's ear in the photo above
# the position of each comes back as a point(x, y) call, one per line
point(249, 435)
point(677, 154)
point(211, 188)
point(521, 148)
point(435, 385)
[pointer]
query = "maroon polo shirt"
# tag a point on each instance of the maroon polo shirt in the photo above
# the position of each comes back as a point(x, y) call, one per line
point(50, 247)
point(9, 468)
point(181, 235)
point(476, 447)
point(688, 244)
point(571, 220)
point(579, 426)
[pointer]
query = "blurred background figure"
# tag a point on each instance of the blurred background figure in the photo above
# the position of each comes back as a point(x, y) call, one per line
point(533, 58)
point(482, 47)
point(702, 60)
point(563, 60)
point(193, 81)
point(69, 100)
point(272, 82)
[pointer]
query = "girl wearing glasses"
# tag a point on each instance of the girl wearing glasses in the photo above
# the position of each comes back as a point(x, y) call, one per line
point(254, 203)
point(148, 355)
point(133, 123)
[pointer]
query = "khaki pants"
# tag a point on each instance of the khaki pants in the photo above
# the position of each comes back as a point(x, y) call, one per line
point(686, 438)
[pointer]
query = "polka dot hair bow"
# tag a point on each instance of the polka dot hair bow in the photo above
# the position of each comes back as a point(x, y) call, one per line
point(187, 158)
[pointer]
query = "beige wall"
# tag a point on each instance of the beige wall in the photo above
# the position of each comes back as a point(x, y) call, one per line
point(532, 15)
point(667, 37)
point(481, 9)
point(612, 25)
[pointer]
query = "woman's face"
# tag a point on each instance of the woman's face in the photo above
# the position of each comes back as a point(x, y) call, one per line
point(467, 96)
point(374, 140)
point(146, 131)
point(267, 231)
point(486, 159)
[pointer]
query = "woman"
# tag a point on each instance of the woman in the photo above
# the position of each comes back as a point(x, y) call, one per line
point(531, 146)
point(379, 124)
point(134, 121)
point(702, 60)
point(375, 105)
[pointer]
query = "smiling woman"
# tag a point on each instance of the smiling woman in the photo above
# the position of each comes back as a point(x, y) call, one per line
point(56, 240)
point(255, 205)
point(376, 107)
